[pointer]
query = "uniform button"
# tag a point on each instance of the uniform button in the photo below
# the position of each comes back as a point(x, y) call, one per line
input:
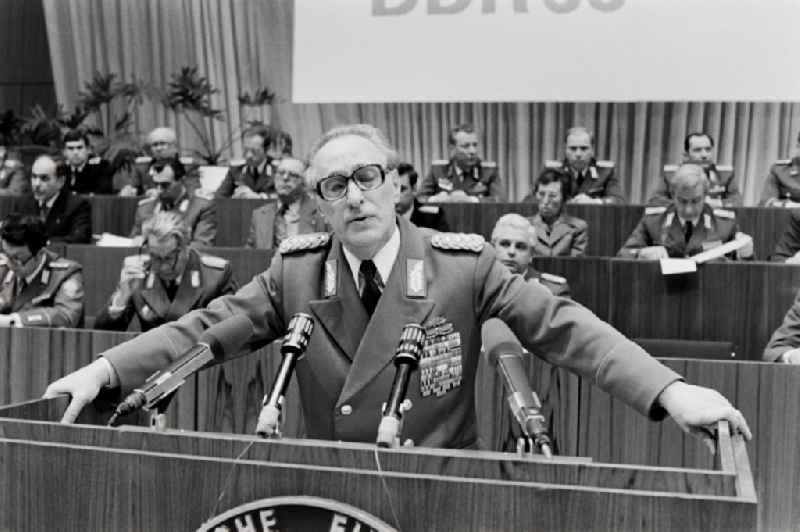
point(346, 410)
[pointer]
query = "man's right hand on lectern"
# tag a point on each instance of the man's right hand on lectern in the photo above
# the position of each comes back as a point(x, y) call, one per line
point(82, 385)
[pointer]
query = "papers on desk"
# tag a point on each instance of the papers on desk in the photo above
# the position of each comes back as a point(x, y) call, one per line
point(115, 241)
point(211, 177)
point(677, 266)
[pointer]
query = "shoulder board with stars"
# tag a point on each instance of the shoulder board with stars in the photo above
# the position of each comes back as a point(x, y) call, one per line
point(724, 213)
point(783, 162)
point(552, 164)
point(204, 194)
point(648, 211)
point(304, 242)
point(557, 279)
point(489, 164)
point(143, 159)
point(186, 161)
point(236, 163)
point(724, 168)
point(605, 164)
point(670, 167)
point(458, 241)
point(213, 262)
point(145, 201)
point(440, 162)
point(60, 264)
point(94, 160)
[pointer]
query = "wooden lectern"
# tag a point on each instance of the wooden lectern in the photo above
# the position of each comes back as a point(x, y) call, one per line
point(91, 477)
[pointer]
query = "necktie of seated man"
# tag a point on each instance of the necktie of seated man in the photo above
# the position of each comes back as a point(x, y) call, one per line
point(687, 232)
point(43, 210)
point(372, 290)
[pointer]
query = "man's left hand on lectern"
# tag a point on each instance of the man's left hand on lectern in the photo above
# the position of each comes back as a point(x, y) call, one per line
point(82, 385)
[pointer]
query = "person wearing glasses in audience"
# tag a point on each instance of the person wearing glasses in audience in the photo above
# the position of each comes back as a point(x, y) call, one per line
point(37, 287)
point(197, 209)
point(373, 275)
point(167, 279)
point(162, 146)
point(513, 238)
point(254, 176)
point(67, 216)
point(294, 213)
point(557, 233)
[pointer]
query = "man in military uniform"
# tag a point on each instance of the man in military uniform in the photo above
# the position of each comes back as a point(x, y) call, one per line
point(698, 148)
point(782, 185)
point(557, 233)
point(590, 180)
point(784, 344)
point(85, 175)
point(464, 177)
point(166, 281)
point(67, 216)
point(197, 209)
point(788, 247)
point(294, 213)
point(513, 238)
point(162, 146)
point(37, 287)
point(376, 273)
point(253, 177)
point(408, 206)
point(688, 226)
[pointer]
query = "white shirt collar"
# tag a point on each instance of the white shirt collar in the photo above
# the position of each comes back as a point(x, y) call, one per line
point(383, 259)
point(695, 222)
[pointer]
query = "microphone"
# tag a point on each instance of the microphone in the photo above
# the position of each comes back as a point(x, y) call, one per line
point(505, 352)
point(225, 337)
point(292, 349)
point(406, 360)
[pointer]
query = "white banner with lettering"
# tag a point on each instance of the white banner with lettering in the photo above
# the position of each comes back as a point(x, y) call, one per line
point(545, 50)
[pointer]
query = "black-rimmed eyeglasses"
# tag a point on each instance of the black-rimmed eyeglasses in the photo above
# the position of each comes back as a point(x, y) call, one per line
point(367, 177)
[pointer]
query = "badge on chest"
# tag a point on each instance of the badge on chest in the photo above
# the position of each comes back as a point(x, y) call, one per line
point(441, 365)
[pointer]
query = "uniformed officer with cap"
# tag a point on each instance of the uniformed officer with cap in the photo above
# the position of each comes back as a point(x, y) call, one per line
point(688, 226)
point(197, 209)
point(376, 273)
point(698, 148)
point(167, 281)
point(37, 287)
point(162, 146)
point(782, 185)
point(464, 177)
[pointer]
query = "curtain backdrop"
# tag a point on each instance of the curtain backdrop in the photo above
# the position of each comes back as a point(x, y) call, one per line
point(244, 44)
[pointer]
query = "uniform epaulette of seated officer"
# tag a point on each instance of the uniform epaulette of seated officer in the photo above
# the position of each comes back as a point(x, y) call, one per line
point(489, 164)
point(306, 242)
point(212, 261)
point(724, 213)
point(60, 264)
point(783, 162)
point(148, 199)
point(556, 279)
point(651, 211)
point(204, 194)
point(458, 242)
point(604, 164)
point(94, 161)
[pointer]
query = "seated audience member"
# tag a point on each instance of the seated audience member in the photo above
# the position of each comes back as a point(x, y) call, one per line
point(788, 247)
point(782, 186)
point(698, 148)
point(687, 226)
point(253, 177)
point(85, 175)
point(197, 210)
point(407, 205)
point(464, 177)
point(512, 238)
point(590, 180)
point(784, 344)
point(67, 216)
point(557, 233)
point(161, 146)
point(296, 212)
point(167, 279)
point(13, 179)
point(37, 287)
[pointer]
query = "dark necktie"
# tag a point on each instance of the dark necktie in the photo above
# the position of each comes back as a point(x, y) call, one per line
point(172, 289)
point(372, 291)
point(687, 232)
point(43, 210)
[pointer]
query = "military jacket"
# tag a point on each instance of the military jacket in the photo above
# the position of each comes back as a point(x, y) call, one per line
point(483, 182)
point(598, 180)
point(197, 210)
point(52, 297)
point(787, 336)
point(782, 184)
point(262, 234)
point(557, 285)
point(661, 226)
point(568, 236)
point(262, 183)
point(204, 278)
point(721, 186)
point(448, 283)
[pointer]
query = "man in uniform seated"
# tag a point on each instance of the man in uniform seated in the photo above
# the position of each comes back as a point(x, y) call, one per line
point(197, 209)
point(782, 186)
point(513, 238)
point(85, 175)
point(253, 177)
point(67, 216)
point(162, 146)
point(408, 206)
point(784, 344)
point(166, 280)
point(698, 148)
point(37, 287)
point(688, 226)
point(373, 275)
point(788, 247)
point(590, 180)
point(464, 177)
point(294, 213)
point(557, 233)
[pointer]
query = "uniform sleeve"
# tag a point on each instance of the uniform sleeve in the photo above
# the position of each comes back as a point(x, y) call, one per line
point(787, 336)
point(496, 189)
point(259, 300)
point(639, 238)
point(225, 189)
point(67, 309)
point(567, 334)
point(770, 193)
point(580, 240)
point(613, 192)
point(205, 229)
point(116, 321)
point(733, 198)
point(789, 244)
point(660, 196)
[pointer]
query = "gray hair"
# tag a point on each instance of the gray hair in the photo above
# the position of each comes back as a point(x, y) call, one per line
point(515, 221)
point(688, 175)
point(366, 131)
point(167, 132)
point(579, 129)
point(163, 225)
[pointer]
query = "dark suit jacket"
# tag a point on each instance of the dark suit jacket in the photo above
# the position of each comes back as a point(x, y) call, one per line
point(262, 223)
point(69, 220)
point(782, 183)
point(431, 216)
point(94, 178)
point(789, 244)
